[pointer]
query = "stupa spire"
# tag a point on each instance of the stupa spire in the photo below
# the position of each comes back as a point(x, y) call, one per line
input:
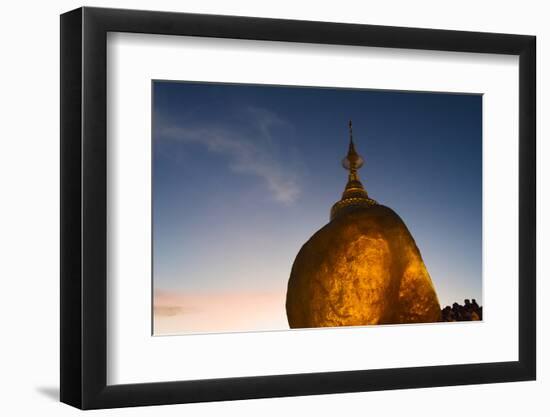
point(354, 193)
point(353, 161)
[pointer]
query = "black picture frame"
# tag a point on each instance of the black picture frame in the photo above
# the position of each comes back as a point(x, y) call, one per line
point(84, 207)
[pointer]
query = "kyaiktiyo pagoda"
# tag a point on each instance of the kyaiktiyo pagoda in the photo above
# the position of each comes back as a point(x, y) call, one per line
point(362, 268)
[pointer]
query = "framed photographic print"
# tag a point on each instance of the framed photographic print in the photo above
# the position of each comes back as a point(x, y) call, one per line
point(258, 207)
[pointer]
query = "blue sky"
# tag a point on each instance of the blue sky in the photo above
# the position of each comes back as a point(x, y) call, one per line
point(243, 175)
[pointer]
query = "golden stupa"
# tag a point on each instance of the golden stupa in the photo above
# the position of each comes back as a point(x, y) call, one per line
point(362, 268)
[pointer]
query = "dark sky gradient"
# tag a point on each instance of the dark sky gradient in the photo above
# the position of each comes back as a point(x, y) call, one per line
point(244, 175)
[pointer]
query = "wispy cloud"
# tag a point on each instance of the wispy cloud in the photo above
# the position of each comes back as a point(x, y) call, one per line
point(250, 149)
point(168, 310)
point(212, 312)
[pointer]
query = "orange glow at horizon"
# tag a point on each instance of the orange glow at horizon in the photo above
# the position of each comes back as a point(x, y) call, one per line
point(180, 313)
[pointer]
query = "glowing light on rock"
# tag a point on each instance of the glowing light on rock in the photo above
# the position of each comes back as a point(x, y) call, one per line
point(362, 268)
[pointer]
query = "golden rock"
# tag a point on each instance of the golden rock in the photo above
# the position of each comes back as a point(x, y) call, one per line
point(362, 268)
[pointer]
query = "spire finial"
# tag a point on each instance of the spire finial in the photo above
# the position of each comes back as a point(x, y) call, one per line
point(354, 193)
point(352, 162)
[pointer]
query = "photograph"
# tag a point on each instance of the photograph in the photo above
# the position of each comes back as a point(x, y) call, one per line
point(291, 205)
point(300, 207)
